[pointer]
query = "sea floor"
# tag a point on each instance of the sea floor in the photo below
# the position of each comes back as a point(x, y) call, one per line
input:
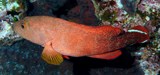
point(24, 58)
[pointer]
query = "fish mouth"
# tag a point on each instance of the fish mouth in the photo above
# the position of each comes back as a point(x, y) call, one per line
point(15, 33)
point(16, 29)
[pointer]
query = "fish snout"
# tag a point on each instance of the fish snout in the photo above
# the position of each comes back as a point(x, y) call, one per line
point(16, 28)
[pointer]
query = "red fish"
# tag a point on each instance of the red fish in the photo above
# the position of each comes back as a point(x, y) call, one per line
point(60, 37)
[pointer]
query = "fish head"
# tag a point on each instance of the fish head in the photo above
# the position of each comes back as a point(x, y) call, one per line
point(29, 29)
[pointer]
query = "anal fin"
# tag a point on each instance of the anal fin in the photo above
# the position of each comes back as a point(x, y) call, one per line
point(108, 55)
point(51, 56)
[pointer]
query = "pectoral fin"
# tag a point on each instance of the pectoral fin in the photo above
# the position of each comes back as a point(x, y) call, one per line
point(51, 56)
point(108, 55)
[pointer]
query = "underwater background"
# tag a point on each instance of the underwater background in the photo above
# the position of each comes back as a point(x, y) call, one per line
point(21, 57)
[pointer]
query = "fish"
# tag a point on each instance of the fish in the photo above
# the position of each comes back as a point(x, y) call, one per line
point(61, 38)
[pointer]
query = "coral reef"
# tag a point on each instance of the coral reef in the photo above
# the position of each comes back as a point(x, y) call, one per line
point(10, 11)
point(128, 13)
point(149, 6)
point(23, 57)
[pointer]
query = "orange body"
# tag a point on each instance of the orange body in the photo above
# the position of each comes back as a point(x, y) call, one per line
point(72, 39)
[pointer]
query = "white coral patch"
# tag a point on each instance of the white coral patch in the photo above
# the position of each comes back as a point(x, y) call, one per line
point(147, 18)
point(119, 4)
point(10, 6)
point(3, 12)
point(5, 29)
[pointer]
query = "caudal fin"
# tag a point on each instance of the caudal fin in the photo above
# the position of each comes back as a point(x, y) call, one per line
point(142, 30)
